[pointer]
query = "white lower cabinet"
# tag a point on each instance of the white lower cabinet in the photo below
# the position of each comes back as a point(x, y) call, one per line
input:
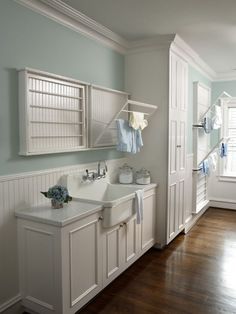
point(62, 268)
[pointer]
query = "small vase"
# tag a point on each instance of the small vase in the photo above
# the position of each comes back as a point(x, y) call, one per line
point(56, 204)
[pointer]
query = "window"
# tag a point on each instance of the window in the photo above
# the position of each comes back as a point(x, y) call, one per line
point(228, 164)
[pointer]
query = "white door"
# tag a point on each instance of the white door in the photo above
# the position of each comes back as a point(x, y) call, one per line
point(113, 252)
point(177, 146)
point(131, 237)
point(82, 261)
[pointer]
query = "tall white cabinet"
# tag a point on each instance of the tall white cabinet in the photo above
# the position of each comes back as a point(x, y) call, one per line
point(177, 145)
point(158, 73)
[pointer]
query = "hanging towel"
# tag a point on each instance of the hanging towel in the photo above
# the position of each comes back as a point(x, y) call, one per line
point(217, 117)
point(129, 140)
point(138, 205)
point(137, 121)
point(205, 167)
point(207, 125)
point(224, 150)
point(213, 161)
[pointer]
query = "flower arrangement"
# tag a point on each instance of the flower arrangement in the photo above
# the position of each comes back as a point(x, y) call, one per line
point(59, 195)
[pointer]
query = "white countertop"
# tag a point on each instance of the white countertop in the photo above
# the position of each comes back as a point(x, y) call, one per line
point(71, 212)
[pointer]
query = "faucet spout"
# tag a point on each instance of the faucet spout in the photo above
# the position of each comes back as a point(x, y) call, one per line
point(105, 169)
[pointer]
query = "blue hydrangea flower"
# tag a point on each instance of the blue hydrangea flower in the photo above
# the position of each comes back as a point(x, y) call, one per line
point(58, 193)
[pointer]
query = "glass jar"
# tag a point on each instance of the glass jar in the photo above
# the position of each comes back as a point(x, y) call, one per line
point(143, 176)
point(125, 174)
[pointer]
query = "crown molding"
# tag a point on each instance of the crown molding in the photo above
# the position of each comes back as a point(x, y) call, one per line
point(180, 46)
point(77, 21)
point(64, 14)
point(151, 43)
point(225, 76)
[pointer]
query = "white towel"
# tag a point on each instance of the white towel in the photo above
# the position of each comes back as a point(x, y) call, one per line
point(138, 203)
point(137, 121)
point(213, 161)
point(217, 118)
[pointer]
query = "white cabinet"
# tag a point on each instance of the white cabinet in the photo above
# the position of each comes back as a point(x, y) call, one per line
point(113, 253)
point(124, 243)
point(177, 145)
point(81, 262)
point(62, 268)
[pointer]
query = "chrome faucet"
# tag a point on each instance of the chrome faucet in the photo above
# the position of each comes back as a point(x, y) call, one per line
point(104, 171)
point(93, 175)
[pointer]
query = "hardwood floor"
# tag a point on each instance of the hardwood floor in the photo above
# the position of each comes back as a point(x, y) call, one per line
point(196, 273)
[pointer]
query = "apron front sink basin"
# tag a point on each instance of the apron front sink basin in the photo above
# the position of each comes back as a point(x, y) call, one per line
point(116, 200)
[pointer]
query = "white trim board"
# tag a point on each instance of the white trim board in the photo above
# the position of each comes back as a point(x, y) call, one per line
point(79, 167)
point(225, 204)
point(62, 13)
point(4, 306)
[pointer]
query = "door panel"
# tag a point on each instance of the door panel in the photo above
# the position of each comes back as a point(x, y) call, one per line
point(177, 145)
point(172, 210)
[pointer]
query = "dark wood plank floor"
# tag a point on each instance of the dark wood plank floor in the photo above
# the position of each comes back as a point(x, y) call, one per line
point(196, 273)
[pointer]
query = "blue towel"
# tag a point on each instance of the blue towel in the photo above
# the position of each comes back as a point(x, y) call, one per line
point(224, 150)
point(207, 125)
point(205, 167)
point(129, 140)
point(138, 204)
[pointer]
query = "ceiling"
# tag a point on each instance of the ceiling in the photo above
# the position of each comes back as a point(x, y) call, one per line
point(208, 26)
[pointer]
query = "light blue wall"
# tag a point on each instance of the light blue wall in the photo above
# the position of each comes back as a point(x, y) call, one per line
point(224, 86)
point(194, 76)
point(31, 40)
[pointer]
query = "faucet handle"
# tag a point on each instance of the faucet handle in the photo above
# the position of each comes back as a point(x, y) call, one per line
point(106, 169)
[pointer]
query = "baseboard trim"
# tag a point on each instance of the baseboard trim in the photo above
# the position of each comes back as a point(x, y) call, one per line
point(223, 204)
point(6, 305)
point(195, 218)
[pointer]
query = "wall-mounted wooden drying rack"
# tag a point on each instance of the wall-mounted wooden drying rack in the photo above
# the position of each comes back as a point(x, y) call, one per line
point(223, 139)
point(128, 107)
point(200, 123)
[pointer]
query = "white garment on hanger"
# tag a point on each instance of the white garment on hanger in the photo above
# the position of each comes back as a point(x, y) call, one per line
point(213, 158)
point(137, 121)
point(217, 117)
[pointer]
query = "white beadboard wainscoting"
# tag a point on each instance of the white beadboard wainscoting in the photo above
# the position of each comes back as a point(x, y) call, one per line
point(22, 191)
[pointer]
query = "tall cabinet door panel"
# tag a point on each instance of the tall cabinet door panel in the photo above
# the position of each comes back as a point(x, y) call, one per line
point(177, 145)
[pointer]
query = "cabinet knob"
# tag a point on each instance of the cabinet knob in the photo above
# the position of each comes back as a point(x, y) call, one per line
point(100, 218)
point(121, 225)
point(178, 146)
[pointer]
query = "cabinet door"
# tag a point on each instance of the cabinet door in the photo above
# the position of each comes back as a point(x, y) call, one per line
point(81, 254)
point(182, 84)
point(131, 238)
point(148, 223)
point(177, 146)
point(113, 252)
